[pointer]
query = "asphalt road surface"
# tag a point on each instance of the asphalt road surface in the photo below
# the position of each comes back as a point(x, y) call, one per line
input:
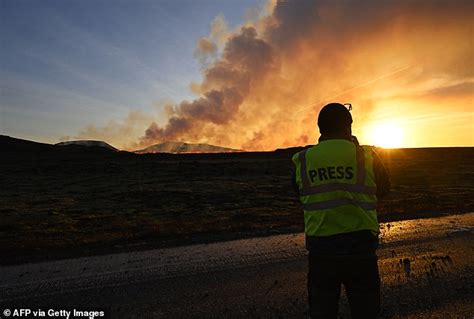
point(426, 266)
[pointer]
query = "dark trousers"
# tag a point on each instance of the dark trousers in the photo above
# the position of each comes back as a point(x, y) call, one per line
point(358, 273)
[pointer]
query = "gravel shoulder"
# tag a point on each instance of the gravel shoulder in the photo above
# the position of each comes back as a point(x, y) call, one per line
point(426, 268)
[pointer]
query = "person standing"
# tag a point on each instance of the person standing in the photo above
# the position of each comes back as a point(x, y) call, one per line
point(338, 182)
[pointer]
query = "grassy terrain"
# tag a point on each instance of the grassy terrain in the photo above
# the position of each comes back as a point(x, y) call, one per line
point(55, 204)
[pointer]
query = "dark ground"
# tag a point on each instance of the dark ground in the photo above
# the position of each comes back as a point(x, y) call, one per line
point(71, 201)
point(426, 269)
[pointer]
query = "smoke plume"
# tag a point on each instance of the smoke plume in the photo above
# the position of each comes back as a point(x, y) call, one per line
point(264, 83)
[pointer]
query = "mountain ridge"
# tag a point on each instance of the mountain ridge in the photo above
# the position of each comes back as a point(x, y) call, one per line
point(95, 143)
point(183, 148)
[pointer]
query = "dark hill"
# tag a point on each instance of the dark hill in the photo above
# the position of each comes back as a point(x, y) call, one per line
point(183, 148)
point(88, 143)
point(15, 149)
point(11, 144)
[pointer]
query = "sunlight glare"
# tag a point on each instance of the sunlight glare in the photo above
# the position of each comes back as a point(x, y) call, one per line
point(388, 135)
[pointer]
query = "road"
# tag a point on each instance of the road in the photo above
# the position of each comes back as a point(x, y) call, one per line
point(426, 266)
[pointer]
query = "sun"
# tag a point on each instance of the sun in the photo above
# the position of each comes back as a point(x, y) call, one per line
point(388, 135)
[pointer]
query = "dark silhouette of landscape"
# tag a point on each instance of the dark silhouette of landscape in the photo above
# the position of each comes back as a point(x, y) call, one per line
point(73, 200)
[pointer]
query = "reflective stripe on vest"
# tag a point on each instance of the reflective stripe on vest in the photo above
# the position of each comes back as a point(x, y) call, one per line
point(328, 204)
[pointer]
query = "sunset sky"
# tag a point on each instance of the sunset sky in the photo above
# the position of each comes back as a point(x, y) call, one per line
point(241, 74)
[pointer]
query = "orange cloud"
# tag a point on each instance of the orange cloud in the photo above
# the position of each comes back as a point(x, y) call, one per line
point(274, 74)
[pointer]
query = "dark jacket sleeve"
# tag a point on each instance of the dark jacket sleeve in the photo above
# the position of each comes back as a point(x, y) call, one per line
point(382, 179)
point(296, 189)
point(294, 184)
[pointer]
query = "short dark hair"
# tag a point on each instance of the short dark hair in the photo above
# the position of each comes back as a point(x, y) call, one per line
point(334, 118)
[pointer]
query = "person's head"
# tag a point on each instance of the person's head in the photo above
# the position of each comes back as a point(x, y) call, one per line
point(335, 119)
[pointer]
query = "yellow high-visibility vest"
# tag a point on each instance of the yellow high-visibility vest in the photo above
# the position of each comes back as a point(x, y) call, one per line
point(337, 188)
